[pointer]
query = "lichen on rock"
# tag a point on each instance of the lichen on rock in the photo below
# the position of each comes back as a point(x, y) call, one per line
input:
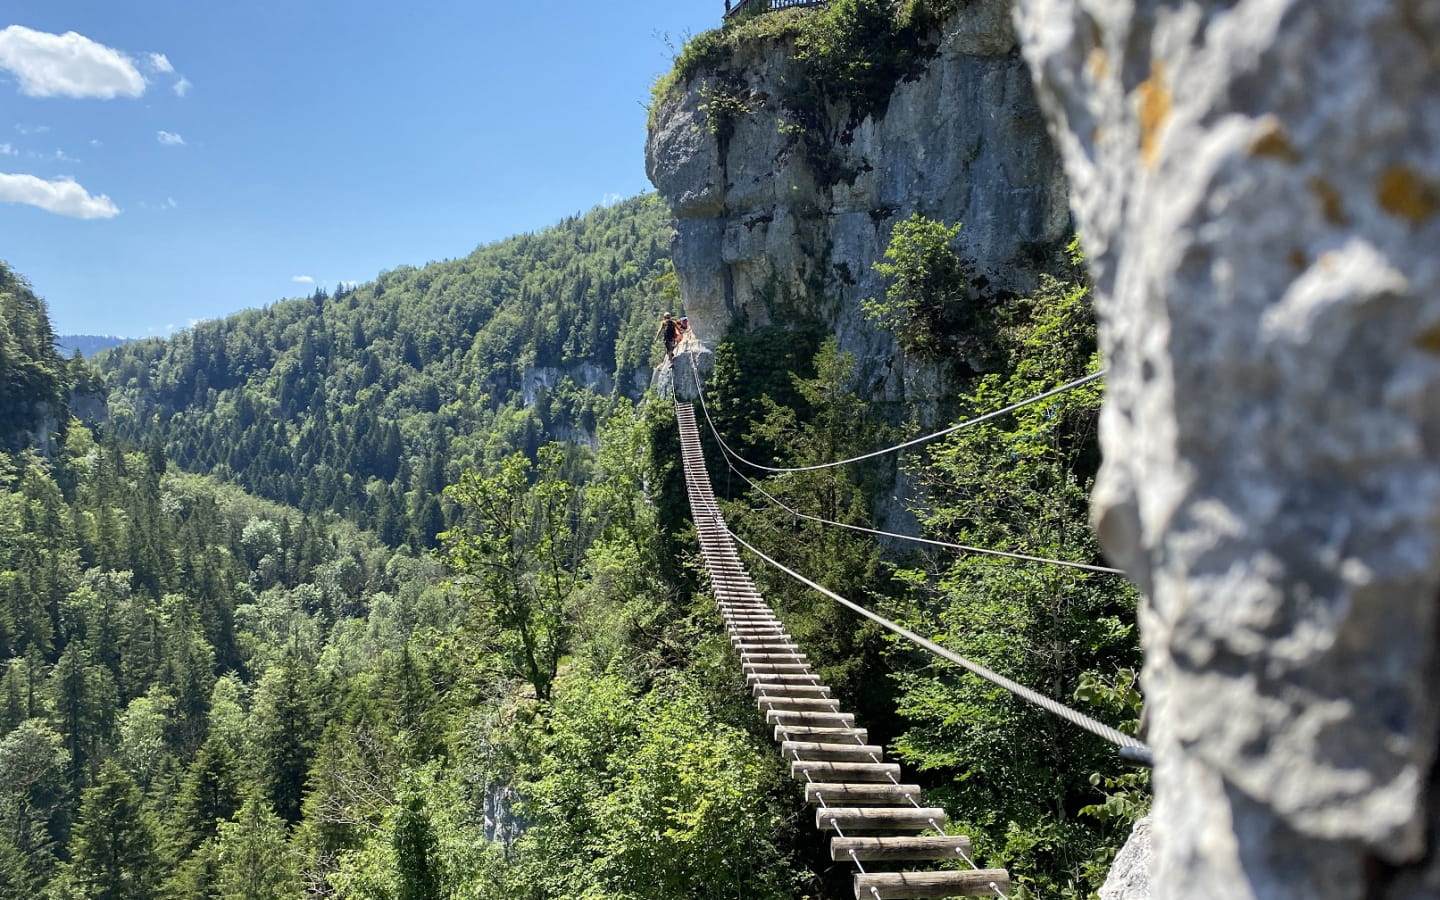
point(1254, 185)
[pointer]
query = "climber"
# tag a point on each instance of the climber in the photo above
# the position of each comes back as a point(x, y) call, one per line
point(684, 328)
point(669, 331)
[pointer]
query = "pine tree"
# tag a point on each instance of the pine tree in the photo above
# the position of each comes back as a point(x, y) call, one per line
point(286, 733)
point(211, 793)
point(417, 856)
point(114, 851)
point(255, 860)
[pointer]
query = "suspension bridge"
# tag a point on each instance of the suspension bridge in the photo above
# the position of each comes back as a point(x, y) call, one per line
point(876, 822)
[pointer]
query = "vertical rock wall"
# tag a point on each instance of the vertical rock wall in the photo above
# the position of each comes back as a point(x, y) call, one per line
point(764, 237)
point(1257, 184)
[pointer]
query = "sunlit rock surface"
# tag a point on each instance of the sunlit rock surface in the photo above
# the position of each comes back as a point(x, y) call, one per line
point(1257, 184)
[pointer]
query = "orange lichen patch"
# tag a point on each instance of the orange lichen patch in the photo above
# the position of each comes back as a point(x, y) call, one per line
point(1297, 259)
point(1429, 339)
point(1154, 111)
point(1273, 141)
point(1329, 198)
point(1097, 64)
point(1406, 195)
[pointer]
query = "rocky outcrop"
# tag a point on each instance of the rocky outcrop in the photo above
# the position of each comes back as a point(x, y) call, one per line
point(1129, 877)
point(777, 223)
point(1257, 184)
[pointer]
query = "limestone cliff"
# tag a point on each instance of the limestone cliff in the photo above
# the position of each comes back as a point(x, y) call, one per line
point(1258, 185)
point(782, 209)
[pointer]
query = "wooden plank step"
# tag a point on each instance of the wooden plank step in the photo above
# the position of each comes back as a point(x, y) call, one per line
point(929, 846)
point(764, 646)
point(850, 794)
point(839, 752)
point(824, 770)
point(974, 883)
point(785, 688)
point(788, 677)
point(878, 818)
point(806, 717)
point(831, 732)
point(749, 657)
point(776, 667)
point(819, 704)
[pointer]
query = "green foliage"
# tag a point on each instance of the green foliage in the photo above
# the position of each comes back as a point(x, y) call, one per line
point(650, 796)
point(849, 56)
point(930, 304)
point(517, 555)
point(253, 859)
point(751, 366)
point(33, 378)
point(1015, 776)
point(846, 651)
point(857, 51)
point(116, 852)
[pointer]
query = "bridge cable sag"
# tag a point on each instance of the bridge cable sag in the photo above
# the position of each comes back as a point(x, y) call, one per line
point(700, 391)
point(1075, 717)
point(1103, 570)
point(924, 438)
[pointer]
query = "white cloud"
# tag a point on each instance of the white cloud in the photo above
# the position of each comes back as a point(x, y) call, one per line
point(63, 196)
point(62, 156)
point(302, 279)
point(610, 199)
point(95, 142)
point(160, 63)
point(169, 203)
point(169, 138)
point(28, 130)
point(182, 87)
point(8, 150)
point(67, 65)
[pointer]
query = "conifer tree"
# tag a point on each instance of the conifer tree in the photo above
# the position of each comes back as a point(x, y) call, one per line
point(114, 851)
point(417, 855)
point(255, 862)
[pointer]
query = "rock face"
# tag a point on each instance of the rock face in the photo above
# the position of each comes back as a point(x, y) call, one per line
point(1257, 184)
point(765, 235)
point(1129, 877)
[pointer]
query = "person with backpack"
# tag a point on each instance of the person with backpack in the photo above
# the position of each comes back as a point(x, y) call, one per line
point(669, 332)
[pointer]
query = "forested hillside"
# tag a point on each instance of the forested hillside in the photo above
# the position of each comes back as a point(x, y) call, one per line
point(209, 695)
point(212, 695)
point(369, 401)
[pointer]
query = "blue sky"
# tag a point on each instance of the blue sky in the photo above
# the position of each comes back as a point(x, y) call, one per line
point(163, 162)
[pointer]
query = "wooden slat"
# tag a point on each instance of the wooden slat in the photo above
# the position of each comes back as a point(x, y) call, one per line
point(879, 818)
point(776, 668)
point(841, 752)
point(795, 677)
point(805, 717)
point(887, 885)
point(853, 794)
point(794, 690)
point(785, 701)
point(821, 770)
point(833, 732)
point(942, 846)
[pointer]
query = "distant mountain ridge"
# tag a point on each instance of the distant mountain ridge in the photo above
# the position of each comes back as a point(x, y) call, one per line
point(87, 344)
point(368, 402)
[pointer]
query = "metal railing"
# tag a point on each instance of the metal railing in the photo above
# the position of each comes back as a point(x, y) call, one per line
point(736, 8)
